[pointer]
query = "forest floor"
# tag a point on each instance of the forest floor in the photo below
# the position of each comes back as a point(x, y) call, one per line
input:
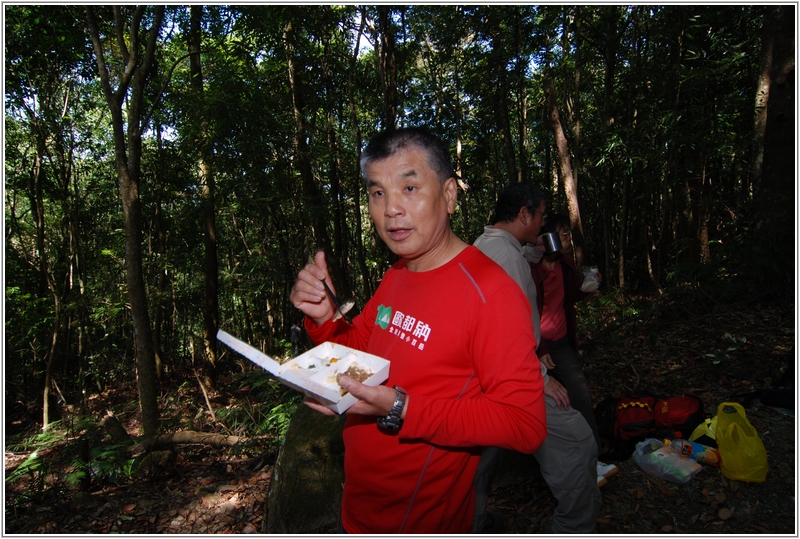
point(717, 352)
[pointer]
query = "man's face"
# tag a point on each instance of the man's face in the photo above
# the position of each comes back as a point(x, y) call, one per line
point(536, 219)
point(408, 206)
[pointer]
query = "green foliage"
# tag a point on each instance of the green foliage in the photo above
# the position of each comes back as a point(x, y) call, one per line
point(33, 467)
point(108, 463)
point(279, 416)
point(615, 317)
point(34, 473)
point(656, 103)
point(266, 410)
point(41, 441)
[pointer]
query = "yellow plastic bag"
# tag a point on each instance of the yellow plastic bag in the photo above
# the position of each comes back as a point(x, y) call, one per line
point(707, 428)
point(744, 456)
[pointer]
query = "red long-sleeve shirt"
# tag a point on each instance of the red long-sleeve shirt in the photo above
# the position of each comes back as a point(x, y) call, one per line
point(572, 294)
point(460, 342)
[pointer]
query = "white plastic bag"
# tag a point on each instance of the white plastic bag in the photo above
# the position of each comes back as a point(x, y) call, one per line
point(664, 462)
point(590, 279)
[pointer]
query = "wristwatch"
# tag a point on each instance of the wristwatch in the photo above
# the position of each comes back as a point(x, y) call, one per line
point(393, 421)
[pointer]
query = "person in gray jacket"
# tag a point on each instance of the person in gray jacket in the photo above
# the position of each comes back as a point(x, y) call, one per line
point(568, 456)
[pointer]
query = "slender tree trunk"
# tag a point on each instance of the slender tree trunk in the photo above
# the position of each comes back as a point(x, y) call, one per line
point(500, 95)
point(625, 225)
point(49, 359)
point(549, 169)
point(207, 192)
point(696, 207)
point(623, 231)
point(576, 101)
point(622, 239)
point(504, 127)
point(134, 278)
point(762, 97)
point(524, 174)
point(774, 199)
point(611, 39)
point(73, 280)
point(161, 249)
point(362, 262)
point(316, 209)
point(46, 281)
point(83, 342)
point(608, 182)
point(388, 65)
point(522, 104)
point(704, 215)
point(37, 209)
point(565, 168)
point(128, 146)
point(462, 182)
point(340, 232)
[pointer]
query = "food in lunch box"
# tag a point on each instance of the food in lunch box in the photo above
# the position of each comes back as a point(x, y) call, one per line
point(358, 372)
point(355, 371)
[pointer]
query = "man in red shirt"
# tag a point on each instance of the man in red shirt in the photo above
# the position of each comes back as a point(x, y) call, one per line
point(455, 327)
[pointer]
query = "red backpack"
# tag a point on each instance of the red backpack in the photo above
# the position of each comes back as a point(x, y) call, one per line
point(637, 418)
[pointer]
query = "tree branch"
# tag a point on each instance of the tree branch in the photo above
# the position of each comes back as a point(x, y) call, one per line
point(102, 69)
point(184, 437)
point(205, 394)
point(166, 83)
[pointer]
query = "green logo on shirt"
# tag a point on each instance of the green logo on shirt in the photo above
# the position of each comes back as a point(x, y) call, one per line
point(384, 316)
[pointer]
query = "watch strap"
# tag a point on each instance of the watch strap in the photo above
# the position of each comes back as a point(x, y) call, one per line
point(393, 421)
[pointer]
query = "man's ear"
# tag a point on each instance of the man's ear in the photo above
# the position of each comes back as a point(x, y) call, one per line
point(451, 194)
point(523, 214)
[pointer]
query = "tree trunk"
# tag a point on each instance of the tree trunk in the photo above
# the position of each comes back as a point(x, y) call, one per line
point(611, 40)
point(48, 376)
point(128, 146)
point(186, 437)
point(608, 183)
point(522, 103)
point(504, 127)
point(624, 221)
point(114, 428)
point(762, 96)
point(388, 65)
point(565, 168)
point(134, 279)
point(576, 103)
point(703, 216)
point(37, 209)
point(458, 164)
point(207, 189)
point(46, 280)
point(83, 341)
point(359, 233)
point(774, 199)
point(340, 232)
point(161, 249)
point(694, 216)
point(623, 231)
point(314, 205)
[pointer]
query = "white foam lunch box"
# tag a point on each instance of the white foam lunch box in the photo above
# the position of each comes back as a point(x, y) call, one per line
point(314, 372)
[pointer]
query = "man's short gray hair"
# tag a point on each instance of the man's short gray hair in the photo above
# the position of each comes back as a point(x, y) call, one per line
point(392, 141)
